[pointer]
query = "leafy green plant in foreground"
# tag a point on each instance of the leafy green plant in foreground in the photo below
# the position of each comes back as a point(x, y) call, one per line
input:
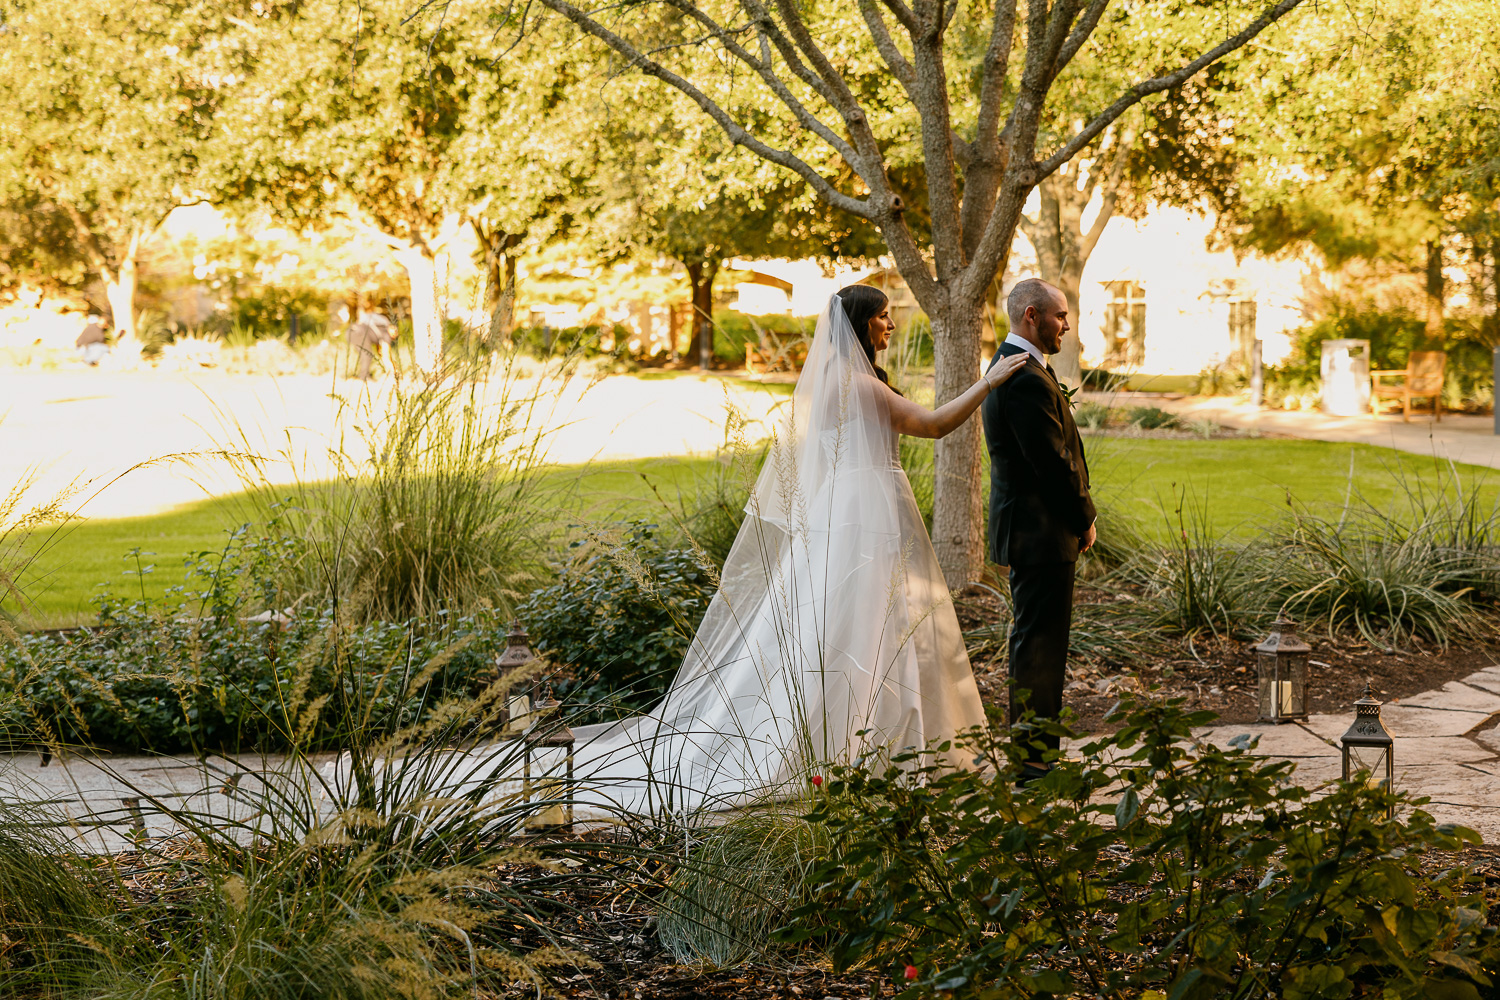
point(1209, 875)
point(620, 616)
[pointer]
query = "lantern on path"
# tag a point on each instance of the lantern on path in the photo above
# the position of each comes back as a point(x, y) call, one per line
point(1368, 749)
point(1281, 674)
point(515, 709)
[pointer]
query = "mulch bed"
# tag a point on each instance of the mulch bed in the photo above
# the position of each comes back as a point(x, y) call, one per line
point(1218, 674)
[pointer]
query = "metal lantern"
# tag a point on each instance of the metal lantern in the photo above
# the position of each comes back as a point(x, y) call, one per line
point(1367, 748)
point(1281, 674)
point(513, 710)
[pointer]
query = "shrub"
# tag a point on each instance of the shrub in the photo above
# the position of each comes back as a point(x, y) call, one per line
point(189, 673)
point(1091, 416)
point(1211, 875)
point(1151, 418)
point(1200, 582)
point(733, 330)
point(620, 616)
point(1393, 334)
point(1390, 573)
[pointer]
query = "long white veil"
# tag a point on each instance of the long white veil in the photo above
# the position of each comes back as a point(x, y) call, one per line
point(832, 631)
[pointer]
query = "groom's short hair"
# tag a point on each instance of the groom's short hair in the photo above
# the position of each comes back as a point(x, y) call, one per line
point(1027, 293)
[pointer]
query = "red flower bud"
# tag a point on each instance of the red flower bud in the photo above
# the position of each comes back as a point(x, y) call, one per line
point(817, 781)
point(911, 972)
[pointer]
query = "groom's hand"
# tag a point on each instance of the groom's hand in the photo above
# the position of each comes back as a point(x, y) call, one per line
point(1089, 538)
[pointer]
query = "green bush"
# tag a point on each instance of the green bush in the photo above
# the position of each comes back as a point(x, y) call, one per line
point(736, 884)
point(620, 617)
point(1211, 875)
point(1091, 416)
point(733, 330)
point(1151, 418)
point(1200, 582)
point(1393, 334)
point(439, 508)
point(1427, 564)
point(189, 673)
point(543, 342)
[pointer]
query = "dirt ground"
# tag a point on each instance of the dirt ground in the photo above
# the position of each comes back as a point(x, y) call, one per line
point(1218, 674)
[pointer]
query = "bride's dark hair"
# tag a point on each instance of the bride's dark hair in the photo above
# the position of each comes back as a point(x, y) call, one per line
point(863, 303)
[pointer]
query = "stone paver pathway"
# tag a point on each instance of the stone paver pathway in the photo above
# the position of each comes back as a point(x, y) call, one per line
point(1447, 748)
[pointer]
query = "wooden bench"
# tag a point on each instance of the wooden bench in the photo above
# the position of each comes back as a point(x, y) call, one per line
point(1422, 378)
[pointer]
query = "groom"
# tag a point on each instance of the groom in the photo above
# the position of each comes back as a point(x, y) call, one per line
point(1041, 515)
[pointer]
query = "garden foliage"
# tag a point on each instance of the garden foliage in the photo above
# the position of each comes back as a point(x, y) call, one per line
point(191, 673)
point(1156, 866)
point(620, 616)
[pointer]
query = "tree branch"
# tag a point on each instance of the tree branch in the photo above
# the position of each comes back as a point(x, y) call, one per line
point(736, 132)
point(1080, 34)
point(904, 15)
point(996, 66)
point(90, 240)
point(1158, 84)
point(764, 69)
point(901, 68)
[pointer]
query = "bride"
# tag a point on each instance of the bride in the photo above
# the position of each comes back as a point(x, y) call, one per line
point(832, 633)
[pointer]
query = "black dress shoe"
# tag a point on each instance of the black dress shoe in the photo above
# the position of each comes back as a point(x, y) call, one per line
point(1031, 772)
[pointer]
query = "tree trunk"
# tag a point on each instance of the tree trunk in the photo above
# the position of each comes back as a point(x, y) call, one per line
point(957, 513)
point(1434, 295)
point(701, 276)
point(1063, 246)
point(500, 278)
point(426, 323)
point(1068, 361)
point(119, 290)
point(503, 315)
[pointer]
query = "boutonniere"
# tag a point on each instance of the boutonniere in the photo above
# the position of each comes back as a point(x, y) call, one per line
point(1068, 394)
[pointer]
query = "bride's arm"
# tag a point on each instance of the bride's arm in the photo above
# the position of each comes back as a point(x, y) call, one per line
point(916, 420)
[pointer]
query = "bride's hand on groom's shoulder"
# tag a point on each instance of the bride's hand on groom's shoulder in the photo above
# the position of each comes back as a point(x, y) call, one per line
point(1003, 369)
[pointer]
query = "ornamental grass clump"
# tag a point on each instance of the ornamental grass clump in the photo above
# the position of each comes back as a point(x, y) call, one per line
point(1200, 582)
point(376, 875)
point(1427, 564)
point(438, 499)
point(736, 883)
point(1156, 865)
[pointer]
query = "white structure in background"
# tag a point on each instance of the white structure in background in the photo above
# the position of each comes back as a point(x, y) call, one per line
point(798, 288)
point(1155, 300)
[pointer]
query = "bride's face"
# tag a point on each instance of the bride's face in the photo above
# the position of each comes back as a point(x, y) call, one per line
point(880, 329)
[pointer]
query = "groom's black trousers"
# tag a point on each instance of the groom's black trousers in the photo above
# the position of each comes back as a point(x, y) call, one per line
point(1041, 598)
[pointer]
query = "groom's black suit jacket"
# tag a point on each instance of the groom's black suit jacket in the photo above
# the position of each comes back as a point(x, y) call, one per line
point(1039, 482)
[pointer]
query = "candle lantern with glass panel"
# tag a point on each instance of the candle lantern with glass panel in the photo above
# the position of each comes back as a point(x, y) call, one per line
point(1281, 674)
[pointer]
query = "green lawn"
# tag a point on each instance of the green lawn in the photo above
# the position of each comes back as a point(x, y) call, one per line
point(84, 557)
point(1244, 483)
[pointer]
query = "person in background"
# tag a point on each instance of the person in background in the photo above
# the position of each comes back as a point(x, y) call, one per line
point(369, 334)
point(93, 342)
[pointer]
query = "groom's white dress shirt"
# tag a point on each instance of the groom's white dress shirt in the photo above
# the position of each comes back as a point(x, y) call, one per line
point(1031, 349)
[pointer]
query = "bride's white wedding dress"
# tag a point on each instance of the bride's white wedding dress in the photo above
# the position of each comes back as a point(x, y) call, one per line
point(832, 633)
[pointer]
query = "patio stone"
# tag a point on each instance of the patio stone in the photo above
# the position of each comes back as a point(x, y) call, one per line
point(1402, 721)
point(1287, 740)
point(1456, 696)
point(1490, 738)
point(1487, 679)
